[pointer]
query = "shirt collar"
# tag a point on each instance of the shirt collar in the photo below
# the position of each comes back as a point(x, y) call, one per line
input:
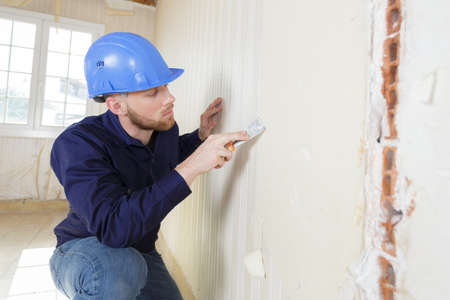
point(115, 126)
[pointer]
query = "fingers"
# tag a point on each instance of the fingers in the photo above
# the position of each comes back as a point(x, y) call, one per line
point(215, 102)
point(223, 157)
point(214, 108)
point(228, 158)
point(225, 154)
point(225, 138)
point(220, 163)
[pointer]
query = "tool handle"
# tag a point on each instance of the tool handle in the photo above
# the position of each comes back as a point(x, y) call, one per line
point(230, 146)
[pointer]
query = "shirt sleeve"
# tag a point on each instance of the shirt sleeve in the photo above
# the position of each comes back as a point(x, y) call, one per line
point(188, 143)
point(98, 196)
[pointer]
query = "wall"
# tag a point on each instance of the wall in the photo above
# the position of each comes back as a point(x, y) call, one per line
point(406, 149)
point(424, 131)
point(295, 193)
point(26, 173)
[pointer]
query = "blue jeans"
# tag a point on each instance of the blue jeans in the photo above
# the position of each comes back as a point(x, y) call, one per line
point(85, 269)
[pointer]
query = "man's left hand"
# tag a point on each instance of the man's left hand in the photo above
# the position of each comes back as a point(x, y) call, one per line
point(207, 120)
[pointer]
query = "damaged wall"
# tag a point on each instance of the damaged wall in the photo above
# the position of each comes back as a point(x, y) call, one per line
point(423, 123)
point(296, 193)
point(407, 174)
point(26, 173)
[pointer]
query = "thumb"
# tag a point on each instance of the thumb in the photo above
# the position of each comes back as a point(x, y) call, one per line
point(225, 138)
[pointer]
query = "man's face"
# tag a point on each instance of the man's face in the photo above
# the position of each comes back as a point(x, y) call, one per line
point(151, 109)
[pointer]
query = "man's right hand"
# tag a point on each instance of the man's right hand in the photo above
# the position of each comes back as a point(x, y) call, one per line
point(212, 153)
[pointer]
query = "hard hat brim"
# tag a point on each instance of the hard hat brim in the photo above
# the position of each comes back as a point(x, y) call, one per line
point(174, 74)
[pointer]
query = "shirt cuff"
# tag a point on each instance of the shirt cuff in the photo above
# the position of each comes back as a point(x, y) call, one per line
point(174, 186)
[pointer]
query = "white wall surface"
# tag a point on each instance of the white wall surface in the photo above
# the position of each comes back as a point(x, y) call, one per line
point(424, 131)
point(296, 193)
point(25, 169)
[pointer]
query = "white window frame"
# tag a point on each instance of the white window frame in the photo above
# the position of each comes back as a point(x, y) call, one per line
point(33, 128)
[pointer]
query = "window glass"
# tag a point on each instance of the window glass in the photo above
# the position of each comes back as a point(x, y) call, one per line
point(59, 40)
point(76, 67)
point(2, 109)
point(17, 111)
point(50, 83)
point(5, 31)
point(80, 42)
point(23, 34)
point(21, 60)
point(57, 64)
point(65, 88)
point(17, 40)
point(74, 113)
point(4, 57)
point(55, 89)
point(77, 91)
point(19, 85)
point(3, 83)
point(53, 114)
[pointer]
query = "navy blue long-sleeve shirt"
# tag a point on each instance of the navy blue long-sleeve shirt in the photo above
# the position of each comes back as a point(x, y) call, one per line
point(119, 190)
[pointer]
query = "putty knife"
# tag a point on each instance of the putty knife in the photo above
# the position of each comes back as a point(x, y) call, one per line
point(253, 130)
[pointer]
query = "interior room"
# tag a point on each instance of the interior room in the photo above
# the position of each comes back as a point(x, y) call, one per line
point(341, 193)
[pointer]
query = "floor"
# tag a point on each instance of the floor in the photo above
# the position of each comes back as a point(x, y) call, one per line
point(26, 244)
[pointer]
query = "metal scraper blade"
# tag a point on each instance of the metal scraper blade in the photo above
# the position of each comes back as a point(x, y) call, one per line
point(253, 130)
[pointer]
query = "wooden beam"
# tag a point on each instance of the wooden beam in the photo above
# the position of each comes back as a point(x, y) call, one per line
point(146, 2)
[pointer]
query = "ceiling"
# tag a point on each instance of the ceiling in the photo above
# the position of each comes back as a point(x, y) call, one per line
point(147, 2)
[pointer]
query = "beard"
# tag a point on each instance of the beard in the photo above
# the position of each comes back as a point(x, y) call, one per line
point(142, 123)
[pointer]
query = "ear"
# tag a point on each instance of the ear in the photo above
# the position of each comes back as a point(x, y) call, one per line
point(116, 105)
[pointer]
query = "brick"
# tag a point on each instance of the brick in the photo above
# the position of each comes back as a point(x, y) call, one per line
point(387, 280)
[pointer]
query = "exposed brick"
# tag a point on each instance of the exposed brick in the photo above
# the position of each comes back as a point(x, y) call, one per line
point(387, 279)
point(393, 217)
point(387, 185)
point(391, 61)
point(394, 19)
point(391, 51)
point(391, 98)
point(389, 154)
point(391, 121)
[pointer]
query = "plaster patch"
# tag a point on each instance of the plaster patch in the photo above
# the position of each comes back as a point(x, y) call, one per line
point(425, 89)
point(306, 154)
point(254, 264)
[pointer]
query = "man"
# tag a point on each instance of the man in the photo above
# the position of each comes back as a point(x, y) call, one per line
point(123, 171)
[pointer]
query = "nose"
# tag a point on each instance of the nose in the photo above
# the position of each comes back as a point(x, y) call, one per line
point(170, 99)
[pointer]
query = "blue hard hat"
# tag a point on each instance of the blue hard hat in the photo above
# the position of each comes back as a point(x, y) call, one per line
point(122, 62)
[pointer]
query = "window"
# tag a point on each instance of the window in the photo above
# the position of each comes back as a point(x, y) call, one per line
point(42, 85)
point(17, 41)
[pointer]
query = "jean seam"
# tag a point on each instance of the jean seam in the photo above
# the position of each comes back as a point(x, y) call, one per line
point(57, 280)
point(91, 267)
